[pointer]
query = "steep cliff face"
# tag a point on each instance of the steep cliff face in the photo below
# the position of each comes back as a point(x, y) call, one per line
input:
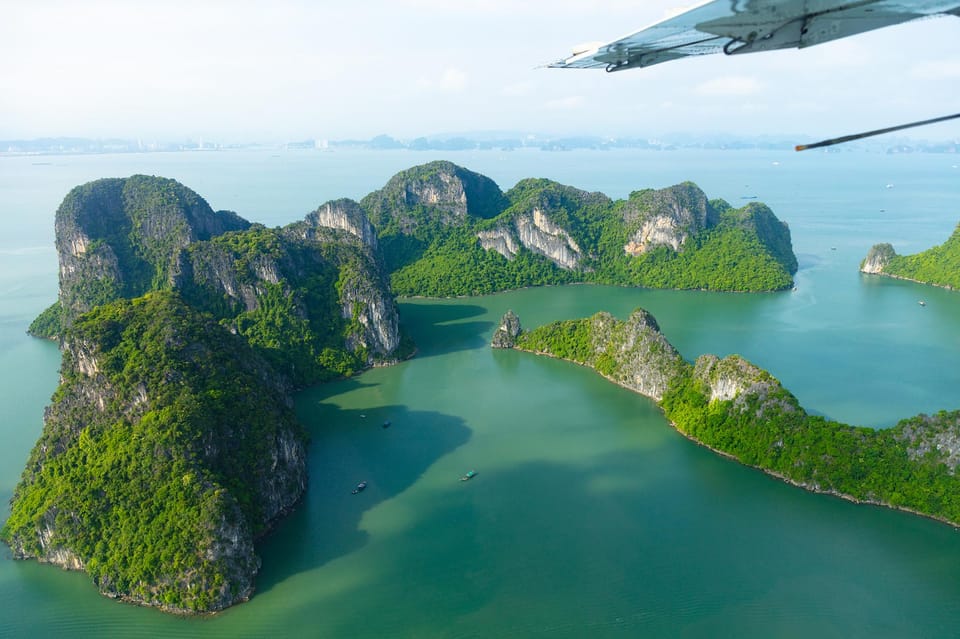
point(758, 221)
point(447, 193)
point(323, 273)
point(536, 232)
point(877, 258)
point(501, 240)
point(427, 202)
point(343, 214)
point(367, 305)
point(169, 447)
point(543, 218)
point(541, 235)
point(633, 353)
point(666, 217)
point(506, 334)
point(329, 295)
point(734, 378)
point(118, 237)
point(646, 362)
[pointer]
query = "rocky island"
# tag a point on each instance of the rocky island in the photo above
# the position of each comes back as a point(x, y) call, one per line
point(170, 445)
point(446, 231)
point(741, 411)
point(939, 266)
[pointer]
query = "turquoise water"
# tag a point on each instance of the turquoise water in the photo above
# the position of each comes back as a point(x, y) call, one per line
point(589, 516)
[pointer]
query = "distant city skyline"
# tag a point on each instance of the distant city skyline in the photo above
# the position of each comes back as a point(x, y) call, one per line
point(253, 71)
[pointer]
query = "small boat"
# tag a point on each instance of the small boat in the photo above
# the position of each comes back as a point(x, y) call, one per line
point(922, 303)
point(470, 475)
point(359, 488)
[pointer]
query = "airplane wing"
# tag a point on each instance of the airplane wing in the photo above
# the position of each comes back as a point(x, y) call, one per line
point(747, 26)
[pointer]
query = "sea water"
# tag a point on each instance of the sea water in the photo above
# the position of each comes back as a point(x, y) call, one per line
point(589, 516)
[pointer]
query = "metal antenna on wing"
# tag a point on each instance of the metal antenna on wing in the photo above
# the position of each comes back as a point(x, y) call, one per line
point(857, 136)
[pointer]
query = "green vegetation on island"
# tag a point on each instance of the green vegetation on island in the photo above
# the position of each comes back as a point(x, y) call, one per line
point(171, 444)
point(169, 447)
point(939, 265)
point(742, 411)
point(446, 231)
point(305, 296)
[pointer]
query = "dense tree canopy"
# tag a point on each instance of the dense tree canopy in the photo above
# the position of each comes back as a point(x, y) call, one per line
point(161, 422)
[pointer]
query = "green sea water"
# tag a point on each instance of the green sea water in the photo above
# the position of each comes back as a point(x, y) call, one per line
point(589, 516)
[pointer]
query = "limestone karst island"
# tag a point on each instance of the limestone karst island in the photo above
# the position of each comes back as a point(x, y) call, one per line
point(939, 266)
point(742, 411)
point(171, 445)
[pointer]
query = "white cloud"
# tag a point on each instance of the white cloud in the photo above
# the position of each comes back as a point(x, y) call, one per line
point(731, 85)
point(452, 80)
point(568, 103)
point(517, 89)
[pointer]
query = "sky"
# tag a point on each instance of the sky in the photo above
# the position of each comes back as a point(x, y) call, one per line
point(290, 70)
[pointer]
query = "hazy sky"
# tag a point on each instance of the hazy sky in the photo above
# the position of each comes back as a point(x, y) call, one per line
point(242, 71)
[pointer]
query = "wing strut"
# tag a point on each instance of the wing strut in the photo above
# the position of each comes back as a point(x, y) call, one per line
point(857, 136)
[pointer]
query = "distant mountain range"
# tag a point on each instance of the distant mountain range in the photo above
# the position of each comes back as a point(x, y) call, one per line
point(468, 141)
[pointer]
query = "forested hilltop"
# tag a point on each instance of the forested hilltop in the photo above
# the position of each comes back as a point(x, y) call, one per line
point(447, 231)
point(171, 444)
point(742, 411)
point(939, 265)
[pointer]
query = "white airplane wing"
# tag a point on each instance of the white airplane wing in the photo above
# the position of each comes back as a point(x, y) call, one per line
point(746, 26)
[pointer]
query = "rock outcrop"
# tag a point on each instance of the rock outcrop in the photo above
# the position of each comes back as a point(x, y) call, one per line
point(877, 258)
point(501, 240)
point(734, 378)
point(635, 354)
point(932, 436)
point(447, 193)
point(537, 220)
point(674, 216)
point(666, 217)
point(632, 353)
point(938, 266)
point(343, 214)
point(118, 237)
point(506, 334)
